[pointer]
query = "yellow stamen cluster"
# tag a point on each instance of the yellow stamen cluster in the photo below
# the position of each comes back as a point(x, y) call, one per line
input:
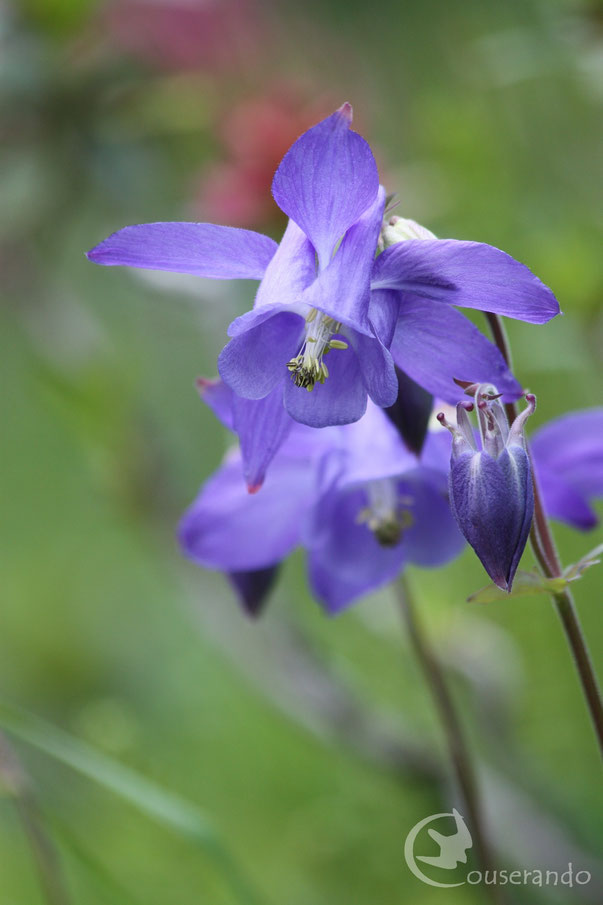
point(386, 515)
point(305, 375)
point(308, 368)
point(388, 532)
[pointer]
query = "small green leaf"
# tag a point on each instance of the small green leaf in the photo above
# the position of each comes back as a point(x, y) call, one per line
point(529, 583)
point(526, 584)
point(576, 570)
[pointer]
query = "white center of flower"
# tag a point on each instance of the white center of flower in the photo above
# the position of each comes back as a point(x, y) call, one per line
point(386, 515)
point(308, 367)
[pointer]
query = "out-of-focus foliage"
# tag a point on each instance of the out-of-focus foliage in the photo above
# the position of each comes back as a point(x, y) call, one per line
point(485, 117)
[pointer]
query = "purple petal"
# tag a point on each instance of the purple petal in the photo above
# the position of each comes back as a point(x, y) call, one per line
point(493, 503)
point(262, 426)
point(264, 340)
point(342, 289)
point(326, 181)
point(253, 587)
point(522, 474)
point(436, 451)
point(229, 529)
point(377, 369)
point(290, 271)
point(206, 250)
point(219, 398)
point(434, 344)
point(345, 560)
point(383, 314)
point(265, 428)
point(433, 537)
point(563, 501)
point(262, 313)
point(341, 399)
point(572, 448)
point(467, 274)
point(373, 449)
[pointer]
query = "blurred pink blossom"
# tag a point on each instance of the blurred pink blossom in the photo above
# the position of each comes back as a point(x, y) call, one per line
point(186, 34)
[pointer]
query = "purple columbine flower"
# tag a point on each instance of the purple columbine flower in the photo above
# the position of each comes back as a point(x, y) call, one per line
point(361, 504)
point(315, 297)
point(491, 491)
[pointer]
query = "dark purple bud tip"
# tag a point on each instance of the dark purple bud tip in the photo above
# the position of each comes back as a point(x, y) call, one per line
point(253, 588)
point(411, 412)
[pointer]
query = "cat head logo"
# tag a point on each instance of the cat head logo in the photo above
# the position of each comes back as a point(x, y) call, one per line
point(452, 848)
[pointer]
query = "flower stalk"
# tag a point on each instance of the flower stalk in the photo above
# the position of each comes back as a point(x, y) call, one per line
point(458, 748)
point(545, 551)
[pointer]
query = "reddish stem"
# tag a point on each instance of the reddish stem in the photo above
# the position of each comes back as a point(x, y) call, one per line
point(545, 551)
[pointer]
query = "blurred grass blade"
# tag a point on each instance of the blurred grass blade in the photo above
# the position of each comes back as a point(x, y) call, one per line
point(15, 782)
point(112, 889)
point(164, 807)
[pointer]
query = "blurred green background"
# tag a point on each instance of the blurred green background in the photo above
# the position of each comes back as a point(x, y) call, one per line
point(308, 744)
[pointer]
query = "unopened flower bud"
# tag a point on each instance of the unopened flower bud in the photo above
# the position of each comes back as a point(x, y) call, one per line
point(398, 229)
point(491, 491)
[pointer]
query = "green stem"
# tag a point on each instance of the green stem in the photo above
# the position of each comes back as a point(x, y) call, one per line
point(455, 736)
point(545, 551)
